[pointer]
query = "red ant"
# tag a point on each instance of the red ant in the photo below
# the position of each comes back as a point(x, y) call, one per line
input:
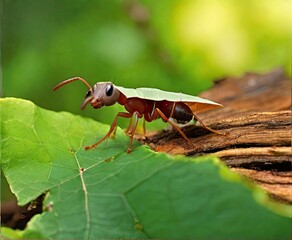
point(149, 103)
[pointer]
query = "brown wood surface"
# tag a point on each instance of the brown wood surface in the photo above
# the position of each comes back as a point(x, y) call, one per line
point(256, 120)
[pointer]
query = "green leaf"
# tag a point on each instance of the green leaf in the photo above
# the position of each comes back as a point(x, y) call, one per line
point(160, 95)
point(106, 193)
point(8, 233)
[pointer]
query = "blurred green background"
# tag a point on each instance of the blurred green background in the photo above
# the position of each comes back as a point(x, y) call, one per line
point(172, 45)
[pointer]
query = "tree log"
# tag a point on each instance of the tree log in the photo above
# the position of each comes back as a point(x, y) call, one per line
point(256, 122)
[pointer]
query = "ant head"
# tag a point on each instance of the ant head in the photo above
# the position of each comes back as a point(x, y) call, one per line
point(102, 94)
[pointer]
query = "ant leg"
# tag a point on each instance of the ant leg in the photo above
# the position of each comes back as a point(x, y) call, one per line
point(112, 128)
point(144, 127)
point(206, 127)
point(129, 128)
point(113, 134)
point(174, 125)
point(135, 114)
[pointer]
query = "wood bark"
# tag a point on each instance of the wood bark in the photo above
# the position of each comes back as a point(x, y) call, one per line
point(256, 122)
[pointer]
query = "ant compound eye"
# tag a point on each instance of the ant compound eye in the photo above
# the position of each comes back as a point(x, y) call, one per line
point(108, 94)
point(88, 94)
point(109, 90)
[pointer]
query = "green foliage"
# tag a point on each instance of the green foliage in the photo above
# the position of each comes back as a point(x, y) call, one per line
point(106, 193)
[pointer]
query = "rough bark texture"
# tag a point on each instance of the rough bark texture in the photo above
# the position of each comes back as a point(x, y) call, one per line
point(256, 121)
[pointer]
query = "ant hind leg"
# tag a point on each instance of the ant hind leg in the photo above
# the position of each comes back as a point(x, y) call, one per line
point(174, 125)
point(206, 127)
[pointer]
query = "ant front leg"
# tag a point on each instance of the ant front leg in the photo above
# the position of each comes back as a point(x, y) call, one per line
point(112, 128)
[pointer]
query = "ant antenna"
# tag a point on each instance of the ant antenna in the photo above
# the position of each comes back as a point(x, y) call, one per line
point(72, 80)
